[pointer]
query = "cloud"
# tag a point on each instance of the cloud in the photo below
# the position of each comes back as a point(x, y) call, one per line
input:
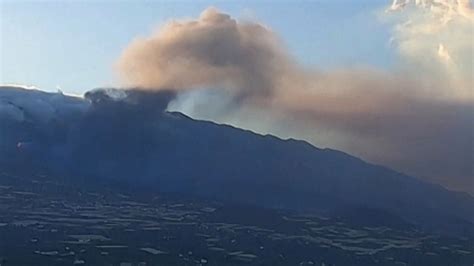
point(416, 118)
point(213, 51)
point(437, 37)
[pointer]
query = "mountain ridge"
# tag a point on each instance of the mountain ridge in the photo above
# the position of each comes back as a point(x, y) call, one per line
point(137, 142)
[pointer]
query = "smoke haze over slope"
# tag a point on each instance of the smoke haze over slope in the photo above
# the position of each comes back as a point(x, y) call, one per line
point(416, 118)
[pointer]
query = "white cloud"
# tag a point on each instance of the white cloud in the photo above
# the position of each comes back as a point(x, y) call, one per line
point(436, 37)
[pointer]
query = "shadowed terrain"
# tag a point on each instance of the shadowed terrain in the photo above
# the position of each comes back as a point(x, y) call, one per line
point(120, 165)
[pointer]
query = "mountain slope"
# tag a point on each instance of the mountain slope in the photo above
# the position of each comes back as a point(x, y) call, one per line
point(131, 139)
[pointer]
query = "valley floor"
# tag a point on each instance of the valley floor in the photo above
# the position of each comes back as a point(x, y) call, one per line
point(43, 222)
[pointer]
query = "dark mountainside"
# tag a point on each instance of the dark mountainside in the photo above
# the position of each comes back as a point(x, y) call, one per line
point(130, 139)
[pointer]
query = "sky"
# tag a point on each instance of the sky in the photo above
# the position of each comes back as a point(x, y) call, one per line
point(41, 39)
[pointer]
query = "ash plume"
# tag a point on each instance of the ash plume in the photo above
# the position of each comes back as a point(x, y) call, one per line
point(415, 118)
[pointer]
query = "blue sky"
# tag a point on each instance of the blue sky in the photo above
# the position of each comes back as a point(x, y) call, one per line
point(74, 44)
